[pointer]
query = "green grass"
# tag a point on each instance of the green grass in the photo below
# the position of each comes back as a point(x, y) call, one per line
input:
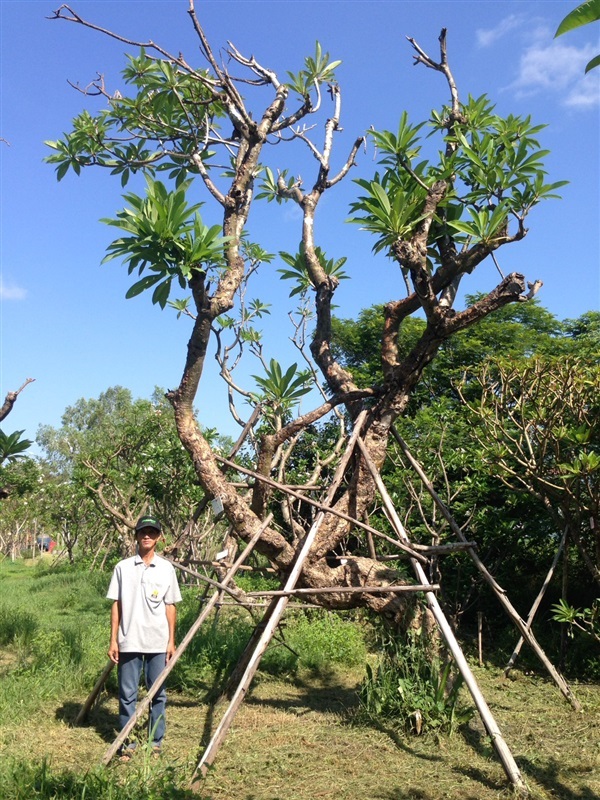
point(21, 780)
point(298, 734)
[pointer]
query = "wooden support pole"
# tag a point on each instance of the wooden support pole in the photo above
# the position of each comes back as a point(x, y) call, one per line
point(85, 708)
point(435, 549)
point(145, 703)
point(500, 593)
point(536, 605)
point(402, 588)
point(275, 614)
point(504, 754)
point(222, 587)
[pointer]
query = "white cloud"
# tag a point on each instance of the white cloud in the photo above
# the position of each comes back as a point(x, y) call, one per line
point(586, 94)
point(10, 291)
point(487, 37)
point(558, 68)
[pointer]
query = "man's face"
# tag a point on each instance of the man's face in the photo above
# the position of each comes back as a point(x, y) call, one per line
point(146, 539)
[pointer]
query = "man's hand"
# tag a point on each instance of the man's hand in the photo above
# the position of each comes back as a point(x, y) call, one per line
point(170, 651)
point(113, 653)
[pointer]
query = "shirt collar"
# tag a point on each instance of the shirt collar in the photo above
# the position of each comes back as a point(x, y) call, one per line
point(140, 560)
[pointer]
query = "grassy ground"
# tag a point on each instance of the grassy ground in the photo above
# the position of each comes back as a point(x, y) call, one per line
point(294, 738)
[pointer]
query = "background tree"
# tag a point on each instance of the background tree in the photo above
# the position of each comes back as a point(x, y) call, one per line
point(123, 455)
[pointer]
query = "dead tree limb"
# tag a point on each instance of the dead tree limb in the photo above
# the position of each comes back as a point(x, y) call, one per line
point(10, 399)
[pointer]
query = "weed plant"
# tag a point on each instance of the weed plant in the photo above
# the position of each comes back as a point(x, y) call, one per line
point(411, 688)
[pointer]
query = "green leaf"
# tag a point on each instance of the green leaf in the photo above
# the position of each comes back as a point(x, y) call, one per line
point(141, 286)
point(582, 15)
point(595, 62)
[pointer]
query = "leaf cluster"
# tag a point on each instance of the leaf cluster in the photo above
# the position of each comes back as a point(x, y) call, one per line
point(281, 391)
point(167, 237)
point(493, 168)
point(159, 127)
point(12, 446)
point(317, 69)
point(584, 14)
point(298, 272)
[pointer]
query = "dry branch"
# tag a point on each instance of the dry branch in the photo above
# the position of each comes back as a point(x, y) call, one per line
point(10, 399)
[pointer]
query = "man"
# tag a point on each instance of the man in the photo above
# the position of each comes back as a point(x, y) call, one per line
point(144, 590)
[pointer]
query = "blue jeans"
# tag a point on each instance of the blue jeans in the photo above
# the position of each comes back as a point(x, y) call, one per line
point(130, 670)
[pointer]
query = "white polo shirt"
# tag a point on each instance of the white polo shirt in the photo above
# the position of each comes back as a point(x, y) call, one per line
point(144, 591)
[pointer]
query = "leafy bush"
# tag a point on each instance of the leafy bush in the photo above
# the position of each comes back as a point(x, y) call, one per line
point(412, 689)
point(323, 639)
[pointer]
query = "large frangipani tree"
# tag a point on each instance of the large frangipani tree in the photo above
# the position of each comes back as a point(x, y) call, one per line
point(437, 219)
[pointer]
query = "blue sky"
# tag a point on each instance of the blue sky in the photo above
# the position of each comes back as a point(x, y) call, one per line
point(64, 318)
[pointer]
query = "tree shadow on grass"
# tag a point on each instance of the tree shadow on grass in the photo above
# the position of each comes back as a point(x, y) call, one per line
point(329, 698)
point(478, 776)
point(547, 775)
point(339, 700)
point(104, 722)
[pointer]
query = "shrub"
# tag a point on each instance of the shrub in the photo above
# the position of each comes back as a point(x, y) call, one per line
point(322, 639)
point(412, 689)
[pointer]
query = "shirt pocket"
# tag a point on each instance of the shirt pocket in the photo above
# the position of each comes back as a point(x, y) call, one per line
point(155, 592)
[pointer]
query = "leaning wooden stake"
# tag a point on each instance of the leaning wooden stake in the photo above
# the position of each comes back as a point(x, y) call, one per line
point(500, 593)
point(85, 708)
point(536, 605)
point(145, 703)
point(275, 615)
point(504, 754)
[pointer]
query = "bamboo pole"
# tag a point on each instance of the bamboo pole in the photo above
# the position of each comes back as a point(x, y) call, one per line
point(274, 616)
point(536, 605)
point(145, 703)
point(437, 549)
point(498, 590)
point(402, 588)
point(222, 587)
point(504, 753)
